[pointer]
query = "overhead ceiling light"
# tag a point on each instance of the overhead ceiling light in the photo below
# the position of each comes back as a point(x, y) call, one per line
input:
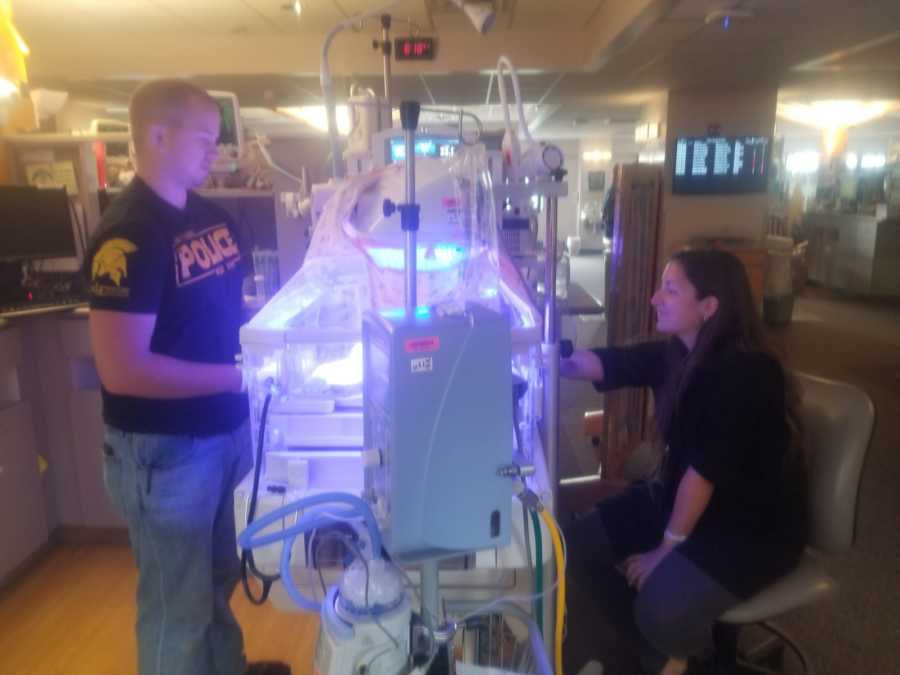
point(296, 7)
point(519, 71)
point(316, 117)
point(873, 161)
point(803, 162)
point(726, 15)
point(7, 88)
point(481, 14)
point(596, 155)
point(829, 114)
point(13, 51)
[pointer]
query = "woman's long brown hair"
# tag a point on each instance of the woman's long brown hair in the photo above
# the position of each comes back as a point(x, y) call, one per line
point(735, 324)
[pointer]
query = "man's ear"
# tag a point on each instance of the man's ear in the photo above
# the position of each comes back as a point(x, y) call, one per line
point(157, 135)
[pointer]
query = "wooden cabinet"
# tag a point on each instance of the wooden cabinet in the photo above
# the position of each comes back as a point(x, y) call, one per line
point(23, 519)
point(23, 516)
point(83, 407)
point(53, 409)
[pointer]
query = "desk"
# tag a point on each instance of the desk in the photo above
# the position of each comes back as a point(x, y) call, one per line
point(854, 253)
point(42, 309)
point(578, 302)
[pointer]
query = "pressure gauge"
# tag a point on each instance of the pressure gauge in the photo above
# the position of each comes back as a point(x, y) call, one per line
point(552, 157)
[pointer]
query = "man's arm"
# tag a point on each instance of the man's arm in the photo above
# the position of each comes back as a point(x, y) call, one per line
point(127, 367)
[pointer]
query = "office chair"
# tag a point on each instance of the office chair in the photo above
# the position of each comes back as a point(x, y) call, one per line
point(838, 420)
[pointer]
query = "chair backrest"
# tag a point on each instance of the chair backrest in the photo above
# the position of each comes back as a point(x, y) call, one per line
point(838, 419)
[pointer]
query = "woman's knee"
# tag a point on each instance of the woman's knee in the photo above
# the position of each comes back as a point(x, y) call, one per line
point(651, 618)
point(671, 627)
point(677, 606)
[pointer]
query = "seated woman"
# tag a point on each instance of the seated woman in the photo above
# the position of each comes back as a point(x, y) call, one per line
point(723, 518)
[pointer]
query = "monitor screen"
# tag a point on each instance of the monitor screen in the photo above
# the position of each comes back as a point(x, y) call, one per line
point(35, 223)
point(720, 165)
point(426, 146)
point(228, 131)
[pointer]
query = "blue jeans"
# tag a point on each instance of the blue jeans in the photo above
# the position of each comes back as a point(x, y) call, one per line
point(176, 494)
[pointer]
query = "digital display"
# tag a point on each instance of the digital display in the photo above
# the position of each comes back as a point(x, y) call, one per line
point(426, 146)
point(35, 223)
point(227, 127)
point(720, 165)
point(414, 49)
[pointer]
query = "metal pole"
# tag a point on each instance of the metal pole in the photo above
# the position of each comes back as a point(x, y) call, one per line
point(409, 212)
point(550, 326)
point(410, 253)
point(337, 167)
point(550, 350)
point(386, 56)
point(431, 594)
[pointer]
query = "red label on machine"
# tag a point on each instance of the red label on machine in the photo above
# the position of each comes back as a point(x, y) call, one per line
point(422, 345)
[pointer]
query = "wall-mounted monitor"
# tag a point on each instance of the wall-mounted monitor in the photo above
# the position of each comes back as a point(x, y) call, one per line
point(35, 223)
point(720, 165)
point(596, 181)
point(231, 133)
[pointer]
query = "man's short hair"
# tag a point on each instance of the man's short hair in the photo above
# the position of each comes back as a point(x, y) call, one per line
point(163, 102)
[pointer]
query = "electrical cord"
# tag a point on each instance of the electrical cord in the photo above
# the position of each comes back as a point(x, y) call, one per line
point(533, 563)
point(556, 538)
point(247, 560)
point(537, 569)
point(531, 500)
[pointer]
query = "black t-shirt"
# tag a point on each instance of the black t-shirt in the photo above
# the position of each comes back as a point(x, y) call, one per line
point(731, 427)
point(184, 266)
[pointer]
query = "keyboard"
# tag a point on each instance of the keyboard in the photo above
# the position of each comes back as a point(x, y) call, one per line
point(24, 307)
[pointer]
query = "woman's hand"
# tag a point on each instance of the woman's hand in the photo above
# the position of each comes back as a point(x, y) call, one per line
point(641, 565)
point(582, 365)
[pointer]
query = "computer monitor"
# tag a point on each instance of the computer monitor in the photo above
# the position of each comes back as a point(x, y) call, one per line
point(426, 146)
point(35, 223)
point(231, 133)
point(720, 165)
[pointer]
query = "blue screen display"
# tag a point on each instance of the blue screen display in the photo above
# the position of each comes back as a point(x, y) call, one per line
point(426, 146)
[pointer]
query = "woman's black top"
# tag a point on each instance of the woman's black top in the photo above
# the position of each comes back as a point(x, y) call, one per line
point(730, 426)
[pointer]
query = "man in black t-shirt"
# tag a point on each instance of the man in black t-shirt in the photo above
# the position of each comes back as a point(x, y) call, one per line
point(165, 274)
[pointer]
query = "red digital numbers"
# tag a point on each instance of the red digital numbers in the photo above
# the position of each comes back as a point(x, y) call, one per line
point(411, 49)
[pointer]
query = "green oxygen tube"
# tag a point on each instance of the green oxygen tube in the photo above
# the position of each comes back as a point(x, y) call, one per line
point(538, 573)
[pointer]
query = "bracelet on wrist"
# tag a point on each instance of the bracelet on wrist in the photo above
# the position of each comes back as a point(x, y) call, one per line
point(668, 535)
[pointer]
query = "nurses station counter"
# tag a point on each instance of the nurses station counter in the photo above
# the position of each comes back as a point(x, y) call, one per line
point(51, 435)
point(858, 254)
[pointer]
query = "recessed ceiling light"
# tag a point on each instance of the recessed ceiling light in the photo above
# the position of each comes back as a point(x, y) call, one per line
point(828, 114)
point(296, 7)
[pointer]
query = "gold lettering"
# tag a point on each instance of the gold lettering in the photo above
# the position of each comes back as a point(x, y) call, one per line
point(215, 255)
point(110, 291)
point(187, 259)
point(226, 244)
point(201, 254)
